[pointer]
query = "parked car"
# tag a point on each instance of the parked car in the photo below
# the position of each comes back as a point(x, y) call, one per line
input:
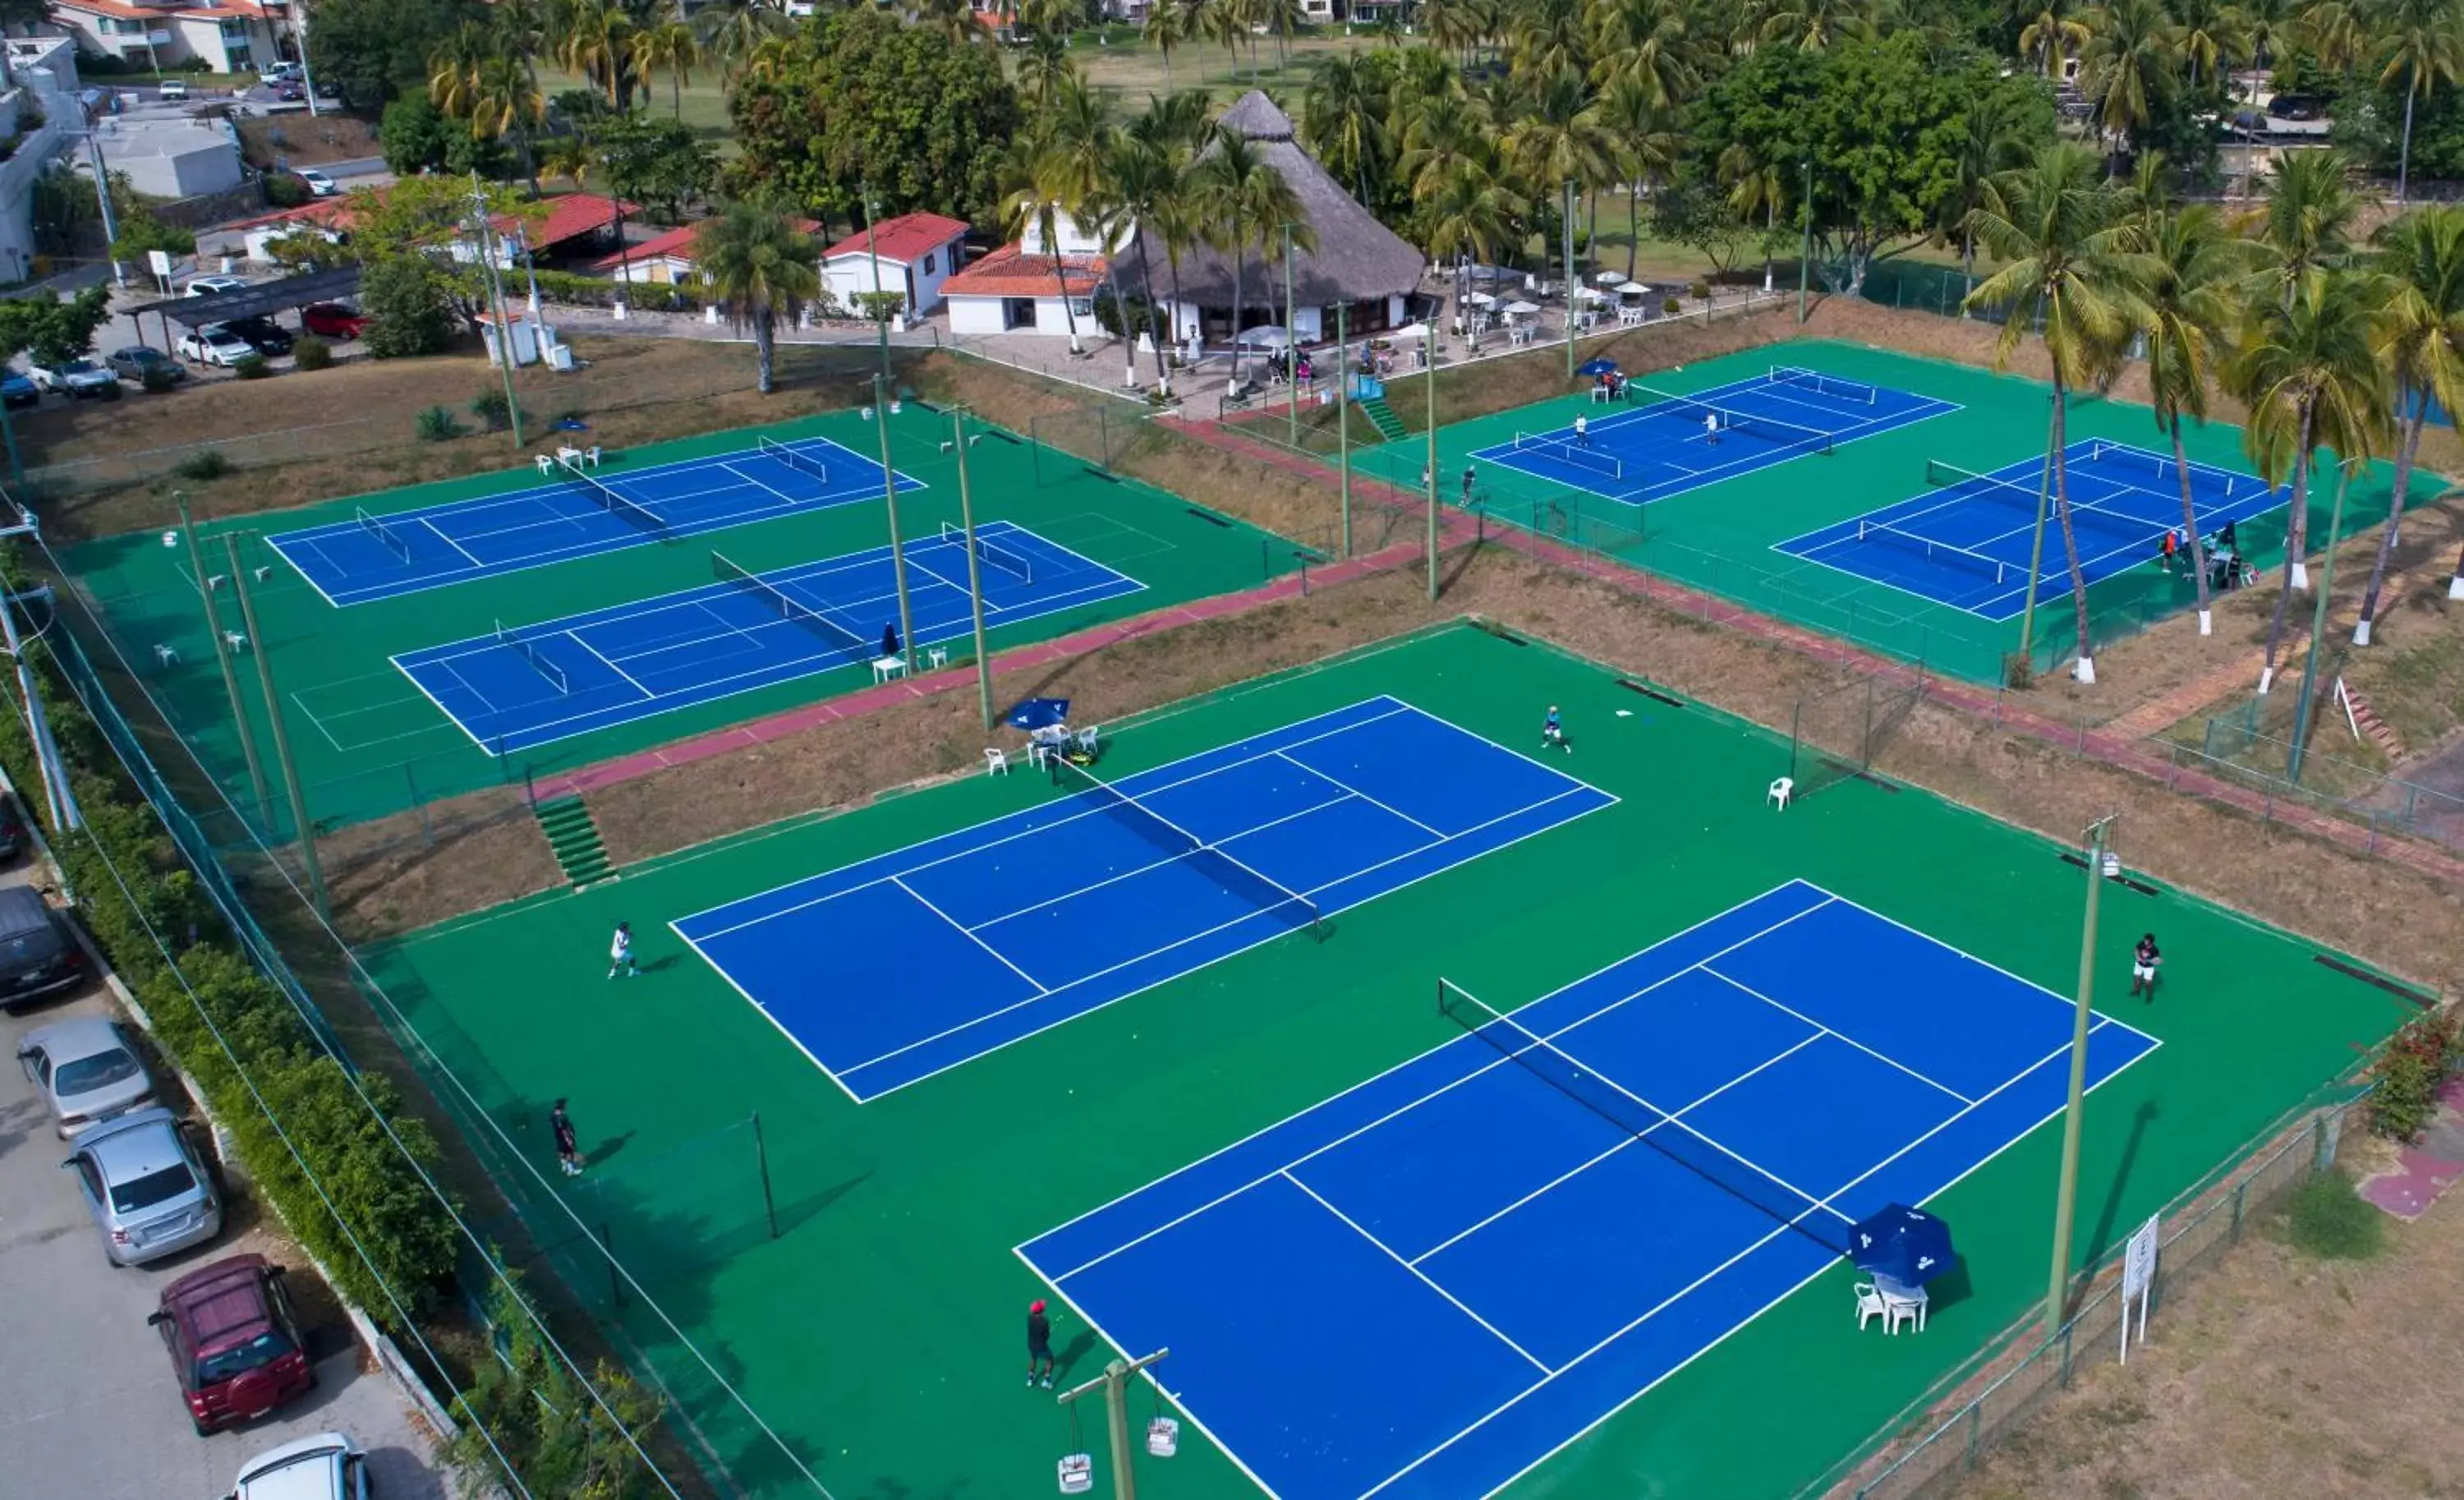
point(79, 378)
point(18, 391)
point(276, 72)
point(87, 1070)
point(150, 1193)
point(332, 319)
point(233, 1340)
point(289, 91)
point(141, 363)
point(326, 1466)
point(262, 334)
point(173, 90)
point(206, 286)
point(319, 184)
point(215, 344)
point(38, 955)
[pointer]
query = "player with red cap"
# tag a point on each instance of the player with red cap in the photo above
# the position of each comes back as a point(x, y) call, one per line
point(1039, 1345)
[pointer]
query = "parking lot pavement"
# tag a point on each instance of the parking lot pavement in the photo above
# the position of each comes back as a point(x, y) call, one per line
point(88, 1404)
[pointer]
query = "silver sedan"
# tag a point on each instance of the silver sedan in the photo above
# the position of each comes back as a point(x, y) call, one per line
point(87, 1070)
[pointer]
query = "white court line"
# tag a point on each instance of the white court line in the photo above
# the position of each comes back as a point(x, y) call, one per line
point(1356, 791)
point(576, 638)
point(1446, 1087)
point(784, 498)
point(1040, 988)
point(1494, 1331)
point(440, 536)
point(763, 1012)
point(2066, 1002)
point(1842, 1035)
point(1028, 832)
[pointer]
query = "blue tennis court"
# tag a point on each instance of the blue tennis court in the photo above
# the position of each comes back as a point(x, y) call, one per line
point(1966, 541)
point(891, 970)
point(549, 681)
point(1431, 1281)
point(576, 513)
point(1659, 444)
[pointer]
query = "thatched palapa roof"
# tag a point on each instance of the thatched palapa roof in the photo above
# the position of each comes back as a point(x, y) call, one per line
point(1356, 259)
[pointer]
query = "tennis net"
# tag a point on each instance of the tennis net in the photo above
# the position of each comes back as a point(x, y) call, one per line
point(607, 498)
point(1752, 423)
point(392, 539)
point(1822, 384)
point(530, 653)
point(2222, 483)
point(794, 459)
point(1949, 552)
point(1569, 452)
point(1267, 894)
point(752, 585)
point(1639, 1118)
point(1970, 485)
point(993, 553)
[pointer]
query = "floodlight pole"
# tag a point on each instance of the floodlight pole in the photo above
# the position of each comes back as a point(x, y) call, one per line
point(1291, 339)
point(1805, 250)
point(974, 566)
point(2066, 1192)
point(889, 499)
point(872, 252)
point(1113, 1383)
point(497, 307)
point(222, 659)
point(1429, 341)
point(301, 826)
point(1343, 413)
point(1566, 199)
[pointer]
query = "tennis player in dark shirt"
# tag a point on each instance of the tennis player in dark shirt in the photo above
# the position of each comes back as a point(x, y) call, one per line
point(2143, 959)
point(1039, 1345)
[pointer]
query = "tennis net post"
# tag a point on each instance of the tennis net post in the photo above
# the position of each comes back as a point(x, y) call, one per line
point(376, 527)
point(794, 459)
point(747, 581)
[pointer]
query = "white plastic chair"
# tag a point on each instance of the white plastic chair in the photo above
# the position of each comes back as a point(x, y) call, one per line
point(1087, 740)
point(591, 455)
point(164, 655)
point(1871, 1306)
point(546, 465)
point(1902, 1304)
point(1778, 795)
point(996, 761)
point(937, 656)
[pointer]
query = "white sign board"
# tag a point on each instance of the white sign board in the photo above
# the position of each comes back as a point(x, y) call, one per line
point(2138, 1279)
point(160, 260)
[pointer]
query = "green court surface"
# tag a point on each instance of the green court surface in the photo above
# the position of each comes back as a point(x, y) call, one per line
point(878, 1331)
point(369, 742)
point(1721, 537)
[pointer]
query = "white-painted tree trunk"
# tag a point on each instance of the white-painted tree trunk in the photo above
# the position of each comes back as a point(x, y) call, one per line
point(2266, 678)
point(2302, 576)
point(2085, 670)
point(2360, 632)
point(2207, 622)
point(2455, 587)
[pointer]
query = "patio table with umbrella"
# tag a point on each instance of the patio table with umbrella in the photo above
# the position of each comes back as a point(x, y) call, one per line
point(1901, 1249)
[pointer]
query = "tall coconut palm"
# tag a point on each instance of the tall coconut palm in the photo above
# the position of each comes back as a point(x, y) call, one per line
point(569, 157)
point(1813, 25)
point(1343, 118)
point(1246, 201)
point(2306, 225)
point(596, 41)
point(2054, 225)
point(2419, 45)
point(2307, 370)
point(1757, 188)
point(2054, 34)
point(2420, 339)
point(669, 48)
point(1992, 145)
point(2131, 67)
point(764, 269)
point(1472, 214)
point(2337, 32)
point(1647, 41)
point(732, 31)
point(1075, 155)
point(954, 20)
point(1178, 122)
point(1167, 25)
point(505, 101)
point(1221, 21)
point(1559, 137)
point(1549, 35)
point(1648, 148)
point(1027, 206)
point(1139, 180)
point(1045, 67)
point(2209, 35)
point(2191, 274)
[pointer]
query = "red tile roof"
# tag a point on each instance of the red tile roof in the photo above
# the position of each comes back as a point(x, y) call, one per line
point(907, 238)
point(676, 244)
point(574, 213)
point(1007, 271)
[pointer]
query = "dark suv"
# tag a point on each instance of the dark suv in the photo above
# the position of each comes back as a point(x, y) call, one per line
point(233, 1340)
point(37, 955)
point(263, 335)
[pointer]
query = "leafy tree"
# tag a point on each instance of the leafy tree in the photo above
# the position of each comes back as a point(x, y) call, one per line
point(2420, 341)
point(53, 330)
point(657, 163)
point(411, 135)
point(372, 51)
point(563, 1435)
point(1698, 215)
point(764, 268)
point(865, 100)
point(410, 306)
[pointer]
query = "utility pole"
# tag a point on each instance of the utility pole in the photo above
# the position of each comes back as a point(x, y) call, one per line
point(222, 659)
point(1429, 341)
point(58, 799)
point(974, 566)
point(1805, 246)
point(2066, 1193)
point(257, 647)
point(1291, 339)
point(102, 194)
point(1566, 199)
point(897, 549)
point(1113, 1383)
point(1343, 413)
point(2318, 627)
point(497, 307)
point(880, 315)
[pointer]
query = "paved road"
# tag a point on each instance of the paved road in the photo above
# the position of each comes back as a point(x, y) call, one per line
point(88, 1407)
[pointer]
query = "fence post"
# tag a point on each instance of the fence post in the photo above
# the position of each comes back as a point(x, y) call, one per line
point(1975, 1430)
point(615, 1282)
point(2067, 1329)
point(761, 1165)
point(2233, 1235)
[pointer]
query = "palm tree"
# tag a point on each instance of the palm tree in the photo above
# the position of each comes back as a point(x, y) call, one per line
point(1472, 214)
point(1549, 35)
point(2129, 66)
point(2420, 45)
point(2209, 35)
point(1045, 67)
point(764, 269)
point(771, 59)
point(1245, 199)
point(1343, 118)
point(504, 99)
point(1026, 205)
point(1221, 21)
point(669, 48)
point(2192, 274)
point(2306, 225)
point(1559, 137)
point(2054, 34)
point(596, 42)
point(2337, 32)
point(2421, 343)
point(2055, 226)
point(2307, 369)
point(1282, 17)
point(1074, 154)
point(1813, 25)
point(1139, 180)
point(732, 31)
point(1992, 145)
point(568, 156)
point(1646, 41)
point(1647, 149)
point(1755, 186)
point(1168, 25)
point(954, 20)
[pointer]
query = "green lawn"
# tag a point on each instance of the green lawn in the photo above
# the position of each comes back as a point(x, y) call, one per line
point(369, 742)
point(878, 1330)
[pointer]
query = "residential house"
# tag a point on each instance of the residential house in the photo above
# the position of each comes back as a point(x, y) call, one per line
point(229, 35)
point(39, 107)
point(913, 256)
point(1021, 288)
point(664, 259)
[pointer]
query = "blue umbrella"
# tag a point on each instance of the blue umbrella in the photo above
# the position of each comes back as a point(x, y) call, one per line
point(1034, 714)
point(1905, 1244)
point(1596, 367)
